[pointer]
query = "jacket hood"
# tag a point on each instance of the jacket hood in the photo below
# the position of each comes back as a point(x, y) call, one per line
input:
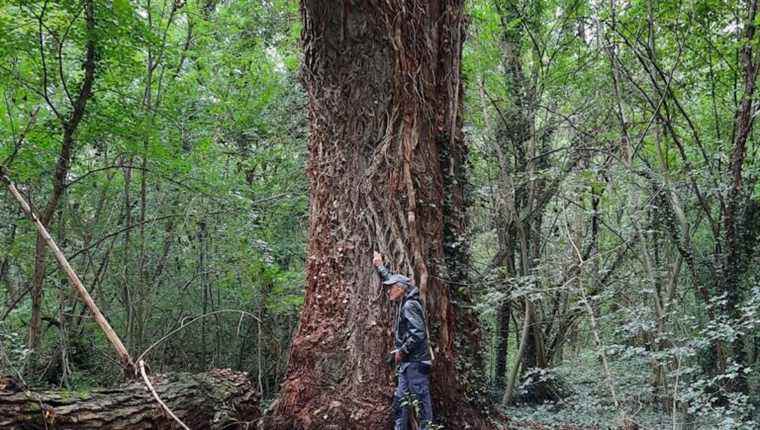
point(412, 292)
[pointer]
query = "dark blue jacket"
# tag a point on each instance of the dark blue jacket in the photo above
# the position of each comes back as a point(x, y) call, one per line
point(411, 336)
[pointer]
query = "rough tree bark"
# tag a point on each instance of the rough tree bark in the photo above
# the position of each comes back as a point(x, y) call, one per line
point(218, 399)
point(387, 164)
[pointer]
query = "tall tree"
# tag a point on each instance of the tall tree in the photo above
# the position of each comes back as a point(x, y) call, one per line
point(69, 122)
point(735, 262)
point(530, 175)
point(387, 164)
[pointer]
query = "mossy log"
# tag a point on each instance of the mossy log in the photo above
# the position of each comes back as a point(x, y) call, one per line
point(218, 399)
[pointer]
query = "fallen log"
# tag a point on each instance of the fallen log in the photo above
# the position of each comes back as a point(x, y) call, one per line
point(215, 400)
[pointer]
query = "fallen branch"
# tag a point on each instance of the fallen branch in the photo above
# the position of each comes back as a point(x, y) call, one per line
point(121, 350)
point(201, 399)
point(198, 318)
point(158, 399)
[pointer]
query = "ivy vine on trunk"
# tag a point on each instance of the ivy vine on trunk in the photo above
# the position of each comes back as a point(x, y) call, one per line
point(387, 163)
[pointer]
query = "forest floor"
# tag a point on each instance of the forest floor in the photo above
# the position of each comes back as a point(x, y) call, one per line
point(589, 404)
point(533, 425)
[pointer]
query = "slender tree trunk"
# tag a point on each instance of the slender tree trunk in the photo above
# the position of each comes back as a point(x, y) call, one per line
point(386, 170)
point(126, 291)
point(502, 342)
point(69, 125)
point(729, 283)
point(204, 289)
point(517, 137)
point(5, 265)
point(524, 340)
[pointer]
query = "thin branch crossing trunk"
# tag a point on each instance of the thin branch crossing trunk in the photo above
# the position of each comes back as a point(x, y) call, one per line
point(121, 350)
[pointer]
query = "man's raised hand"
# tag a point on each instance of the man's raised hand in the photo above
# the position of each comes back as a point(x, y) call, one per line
point(377, 259)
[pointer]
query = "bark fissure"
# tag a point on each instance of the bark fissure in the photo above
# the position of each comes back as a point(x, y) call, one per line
point(386, 169)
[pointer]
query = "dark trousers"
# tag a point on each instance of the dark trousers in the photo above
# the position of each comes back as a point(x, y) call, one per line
point(413, 383)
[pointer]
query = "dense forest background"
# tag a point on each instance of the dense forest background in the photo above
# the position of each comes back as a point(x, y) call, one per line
point(613, 187)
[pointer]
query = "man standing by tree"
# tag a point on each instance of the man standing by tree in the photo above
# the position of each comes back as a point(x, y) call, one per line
point(401, 138)
point(412, 354)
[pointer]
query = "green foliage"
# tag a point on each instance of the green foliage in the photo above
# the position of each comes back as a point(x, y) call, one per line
point(197, 125)
point(13, 351)
point(186, 195)
point(631, 113)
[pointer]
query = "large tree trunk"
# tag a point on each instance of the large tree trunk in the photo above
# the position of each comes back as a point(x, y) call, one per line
point(218, 399)
point(387, 163)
